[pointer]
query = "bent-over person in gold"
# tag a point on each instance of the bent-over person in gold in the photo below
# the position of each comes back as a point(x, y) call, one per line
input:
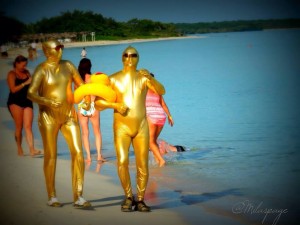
point(130, 125)
point(51, 89)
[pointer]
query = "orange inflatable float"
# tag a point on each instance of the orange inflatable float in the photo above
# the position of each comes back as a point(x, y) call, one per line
point(99, 86)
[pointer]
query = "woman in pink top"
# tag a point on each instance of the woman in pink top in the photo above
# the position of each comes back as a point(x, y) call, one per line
point(157, 111)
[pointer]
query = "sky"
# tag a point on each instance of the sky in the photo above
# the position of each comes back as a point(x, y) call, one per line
point(168, 11)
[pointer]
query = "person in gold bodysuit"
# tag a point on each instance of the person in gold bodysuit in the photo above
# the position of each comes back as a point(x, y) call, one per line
point(51, 89)
point(130, 124)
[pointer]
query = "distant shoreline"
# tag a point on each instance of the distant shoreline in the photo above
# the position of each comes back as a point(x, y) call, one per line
point(14, 51)
point(129, 41)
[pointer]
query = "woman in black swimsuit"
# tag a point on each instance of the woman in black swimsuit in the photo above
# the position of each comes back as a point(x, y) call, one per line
point(20, 107)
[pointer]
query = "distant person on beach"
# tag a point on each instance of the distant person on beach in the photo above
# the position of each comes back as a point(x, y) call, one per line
point(34, 47)
point(157, 110)
point(83, 53)
point(131, 126)
point(32, 52)
point(4, 50)
point(51, 89)
point(20, 107)
point(84, 69)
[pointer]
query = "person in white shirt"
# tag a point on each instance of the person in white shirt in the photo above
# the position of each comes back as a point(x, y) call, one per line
point(83, 53)
point(3, 50)
point(32, 53)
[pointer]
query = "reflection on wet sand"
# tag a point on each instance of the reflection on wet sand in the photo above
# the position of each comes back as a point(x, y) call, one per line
point(97, 168)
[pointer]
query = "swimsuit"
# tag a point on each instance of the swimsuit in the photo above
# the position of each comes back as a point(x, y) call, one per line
point(155, 112)
point(164, 147)
point(19, 98)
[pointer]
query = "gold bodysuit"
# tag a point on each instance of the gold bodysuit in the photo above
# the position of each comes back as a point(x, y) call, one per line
point(51, 89)
point(130, 122)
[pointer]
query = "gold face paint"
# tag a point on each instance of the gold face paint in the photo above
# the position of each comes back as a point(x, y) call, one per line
point(51, 89)
point(130, 123)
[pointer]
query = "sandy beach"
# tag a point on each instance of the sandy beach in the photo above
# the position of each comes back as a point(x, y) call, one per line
point(106, 42)
point(24, 194)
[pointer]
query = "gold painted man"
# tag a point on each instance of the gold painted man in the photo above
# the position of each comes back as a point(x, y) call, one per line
point(130, 125)
point(51, 89)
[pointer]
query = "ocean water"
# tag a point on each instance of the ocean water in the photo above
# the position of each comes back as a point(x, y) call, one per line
point(234, 98)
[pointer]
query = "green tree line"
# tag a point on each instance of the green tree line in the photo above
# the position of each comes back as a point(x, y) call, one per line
point(234, 26)
point(79, 22)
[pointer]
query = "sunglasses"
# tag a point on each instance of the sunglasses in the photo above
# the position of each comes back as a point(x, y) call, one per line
point(59, 47)
point(126, 55)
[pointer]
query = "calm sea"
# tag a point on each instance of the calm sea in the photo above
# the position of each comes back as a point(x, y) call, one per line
point(234, 98)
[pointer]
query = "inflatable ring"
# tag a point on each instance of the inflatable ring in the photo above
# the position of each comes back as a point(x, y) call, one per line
point(100, 78)
point(99, 90)
point(99, 86)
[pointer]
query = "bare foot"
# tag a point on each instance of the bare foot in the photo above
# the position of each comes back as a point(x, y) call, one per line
point(35, 152)
point(101, 159)
point(156, 159)
point(88, 160)
point(162, 163)
point(20, 151)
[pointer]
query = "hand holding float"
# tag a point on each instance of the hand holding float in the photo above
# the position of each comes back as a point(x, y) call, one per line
point(145, 73)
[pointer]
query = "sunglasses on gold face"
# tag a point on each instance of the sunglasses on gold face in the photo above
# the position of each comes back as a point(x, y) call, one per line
point(59, 47)
point(126, 55)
